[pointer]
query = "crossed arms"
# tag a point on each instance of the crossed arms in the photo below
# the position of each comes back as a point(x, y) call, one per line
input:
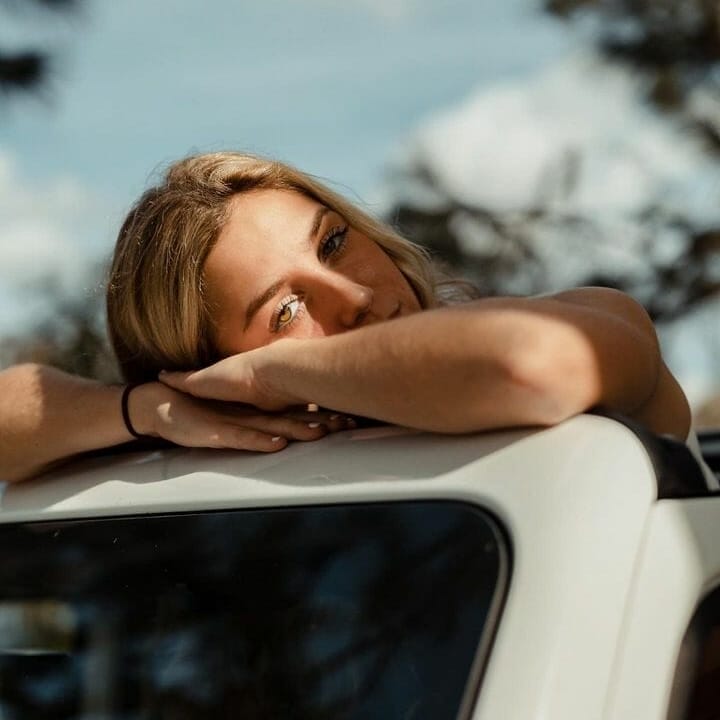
point(494, 363)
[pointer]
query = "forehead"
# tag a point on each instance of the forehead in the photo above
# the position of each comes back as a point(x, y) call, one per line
point(267, 214)
point(264, 235)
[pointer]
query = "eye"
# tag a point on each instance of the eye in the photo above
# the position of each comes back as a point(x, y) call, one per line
point(286, 313)
point(333, 243)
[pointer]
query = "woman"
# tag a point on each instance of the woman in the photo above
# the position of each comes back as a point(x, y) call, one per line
point(286, 294)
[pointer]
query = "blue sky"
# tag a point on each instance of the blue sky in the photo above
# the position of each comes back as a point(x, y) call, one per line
point(333, 87)
point(328, 85)
point(488, 89)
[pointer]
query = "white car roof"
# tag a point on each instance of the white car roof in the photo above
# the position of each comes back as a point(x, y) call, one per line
point(372, 463)
point(572, 501)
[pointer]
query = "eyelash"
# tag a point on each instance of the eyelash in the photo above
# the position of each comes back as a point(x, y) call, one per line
point(276, 325)
point(339, 232)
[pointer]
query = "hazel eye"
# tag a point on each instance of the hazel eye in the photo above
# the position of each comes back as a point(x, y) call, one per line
point(286, 313)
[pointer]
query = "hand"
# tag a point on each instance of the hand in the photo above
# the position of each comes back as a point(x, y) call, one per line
point(253, 377)
point(160, 411)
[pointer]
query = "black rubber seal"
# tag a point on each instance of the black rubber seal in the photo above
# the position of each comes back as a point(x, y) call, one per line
point(677, 472)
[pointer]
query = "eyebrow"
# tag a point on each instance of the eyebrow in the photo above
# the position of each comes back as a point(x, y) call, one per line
point(320, 213)
point(275, 288)
point(260, 300)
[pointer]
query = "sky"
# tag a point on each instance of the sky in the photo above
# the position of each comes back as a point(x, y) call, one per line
point(329, 85)
point(506, 146)
point(332, 87)
point(490, 91)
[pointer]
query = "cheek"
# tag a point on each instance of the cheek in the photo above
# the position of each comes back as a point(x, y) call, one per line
point(364, 272)
point(257, 336)
point(391, 276)
point(374, 268)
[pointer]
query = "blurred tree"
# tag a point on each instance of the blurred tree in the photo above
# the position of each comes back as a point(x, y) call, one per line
point(674, 42)
point(72, 338)
point(674, 45)
point(521, 252)
point(27, 69)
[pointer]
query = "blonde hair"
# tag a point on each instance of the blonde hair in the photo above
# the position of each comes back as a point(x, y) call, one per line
point(157, 314)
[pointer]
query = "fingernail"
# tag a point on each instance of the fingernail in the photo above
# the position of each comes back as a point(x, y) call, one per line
point(351, 423)
point(334, 417)
point(277, 438)
point(314, 424)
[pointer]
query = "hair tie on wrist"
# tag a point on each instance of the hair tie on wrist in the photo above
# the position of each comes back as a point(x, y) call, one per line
point(126, 414)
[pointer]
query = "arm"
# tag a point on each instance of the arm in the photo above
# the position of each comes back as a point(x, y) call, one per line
point(47, 415)
point(493, 363)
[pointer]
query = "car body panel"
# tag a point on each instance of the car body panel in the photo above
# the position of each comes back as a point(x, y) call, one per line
point(573, 499)
point(678, 565)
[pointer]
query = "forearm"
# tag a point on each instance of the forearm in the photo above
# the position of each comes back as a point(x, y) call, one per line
point(495, 363)
point(46, 415)
point(451, 370)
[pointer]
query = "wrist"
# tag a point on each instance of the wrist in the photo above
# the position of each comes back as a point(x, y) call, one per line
point(142, 404)
point(283, 373)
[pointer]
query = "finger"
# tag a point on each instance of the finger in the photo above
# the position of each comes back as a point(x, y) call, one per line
point(177, 380)
point(290, 428)
point(244, 438)
point(203, 383)
point(227, 435)
point(186, 422)
point(332, 420)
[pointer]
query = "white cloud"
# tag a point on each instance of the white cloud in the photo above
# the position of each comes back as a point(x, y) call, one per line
point(577, 137)
point(691, 346)
point(514, 145)
point(45, 239)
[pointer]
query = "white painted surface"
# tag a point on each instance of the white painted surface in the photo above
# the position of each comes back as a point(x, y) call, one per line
point(679, 565)
point(575, 501)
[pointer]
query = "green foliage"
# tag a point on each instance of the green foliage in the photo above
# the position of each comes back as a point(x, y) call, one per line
point(675, 46)
point(71, 338)
point(28, 69)
point(675, 42)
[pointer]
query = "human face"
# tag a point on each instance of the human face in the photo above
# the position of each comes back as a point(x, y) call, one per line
point(285, 265)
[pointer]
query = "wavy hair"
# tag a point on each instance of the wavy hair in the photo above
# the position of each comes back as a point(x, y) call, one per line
point(157, 312)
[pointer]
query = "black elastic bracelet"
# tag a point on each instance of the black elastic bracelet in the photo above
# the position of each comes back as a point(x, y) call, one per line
point(126, 414)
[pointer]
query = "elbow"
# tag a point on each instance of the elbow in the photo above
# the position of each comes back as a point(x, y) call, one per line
point(541, 402)
point(15, 469)
point(16, 475)
point(554, 379)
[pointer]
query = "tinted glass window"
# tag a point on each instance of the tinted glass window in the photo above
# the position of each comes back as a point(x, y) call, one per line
point(359, 611)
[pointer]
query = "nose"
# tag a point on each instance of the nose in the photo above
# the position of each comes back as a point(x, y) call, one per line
point(340, 303)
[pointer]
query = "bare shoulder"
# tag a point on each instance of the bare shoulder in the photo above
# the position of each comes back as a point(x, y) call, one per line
point(665, 410)
point(611, 302)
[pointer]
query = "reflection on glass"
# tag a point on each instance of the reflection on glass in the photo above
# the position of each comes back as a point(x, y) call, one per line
point(358, 611)
point(36, 627)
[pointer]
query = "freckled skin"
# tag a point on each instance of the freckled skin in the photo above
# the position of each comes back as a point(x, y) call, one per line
point(266, 241)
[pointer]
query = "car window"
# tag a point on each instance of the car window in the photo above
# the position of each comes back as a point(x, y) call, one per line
point(696, 691)
point(375, 610)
